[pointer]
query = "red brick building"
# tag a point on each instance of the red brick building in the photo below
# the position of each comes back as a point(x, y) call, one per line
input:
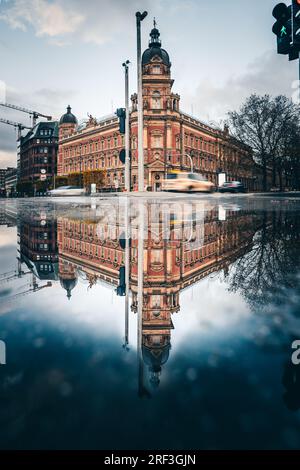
point(169, 136)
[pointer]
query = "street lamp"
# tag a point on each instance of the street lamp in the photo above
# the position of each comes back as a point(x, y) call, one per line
point(191, 161)
point(139, 18)
point(127, 141)
point(189, 157)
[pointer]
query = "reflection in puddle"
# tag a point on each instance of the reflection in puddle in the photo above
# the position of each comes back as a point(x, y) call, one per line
point(151, 253)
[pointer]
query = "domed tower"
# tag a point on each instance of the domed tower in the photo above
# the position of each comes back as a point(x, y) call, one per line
point(157, 82)
point(67, 277)
point(67, 126)
point(161, 111)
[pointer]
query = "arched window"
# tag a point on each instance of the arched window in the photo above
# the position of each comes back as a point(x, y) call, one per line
point(156, 100)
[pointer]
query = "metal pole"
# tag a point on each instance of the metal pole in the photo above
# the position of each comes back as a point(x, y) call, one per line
point(191, 161)
point(139, 19)
point(127, 139)
point(140, 296)
point(127, 269)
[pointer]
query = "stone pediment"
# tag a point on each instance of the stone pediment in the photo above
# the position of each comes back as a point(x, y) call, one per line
point(159, 164)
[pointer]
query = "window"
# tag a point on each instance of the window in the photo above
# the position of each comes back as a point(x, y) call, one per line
point(156, 70)
point(155, 301)
point(156, 100)
point(157, 141)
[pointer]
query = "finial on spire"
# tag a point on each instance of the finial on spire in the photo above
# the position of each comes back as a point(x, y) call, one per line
point(154, 22)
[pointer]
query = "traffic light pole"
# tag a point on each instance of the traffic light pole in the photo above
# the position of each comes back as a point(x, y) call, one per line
point(127, 136)
point(139, 19)
point(140, 296)
point(127, 269)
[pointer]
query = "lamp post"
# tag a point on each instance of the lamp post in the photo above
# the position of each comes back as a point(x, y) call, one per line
point(191, 162)
point(127, 140)
point(185, 155)
point(139, 18)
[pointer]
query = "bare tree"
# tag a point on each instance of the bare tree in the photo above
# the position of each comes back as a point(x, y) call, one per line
point(263, 123)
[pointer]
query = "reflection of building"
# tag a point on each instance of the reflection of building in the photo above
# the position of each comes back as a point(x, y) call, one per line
point(38, 245)
point(169, 135)
point(195, 245)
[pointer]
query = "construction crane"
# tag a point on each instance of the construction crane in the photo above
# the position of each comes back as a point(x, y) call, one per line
point(33, 286)
point(17, 125)
point(11, 275)
point(35, 114)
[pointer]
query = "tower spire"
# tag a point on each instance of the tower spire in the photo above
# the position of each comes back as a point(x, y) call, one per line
point(154, 36)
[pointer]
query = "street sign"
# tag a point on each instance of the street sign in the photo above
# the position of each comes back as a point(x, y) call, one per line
point(43, 171)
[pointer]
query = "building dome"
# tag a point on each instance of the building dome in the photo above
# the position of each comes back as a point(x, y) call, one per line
point(68, 285)
point(154, 358)
point(155, 49)
point(68, 118)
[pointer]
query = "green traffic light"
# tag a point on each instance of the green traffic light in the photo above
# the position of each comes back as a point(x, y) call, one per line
point(283, 31)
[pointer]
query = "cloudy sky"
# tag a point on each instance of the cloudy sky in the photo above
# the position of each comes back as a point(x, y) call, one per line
point(56, 52)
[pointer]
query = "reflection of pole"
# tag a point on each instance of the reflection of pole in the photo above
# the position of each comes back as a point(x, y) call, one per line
point(127, 271)
point(127, 141)
point(140, 295)
point(139, 19)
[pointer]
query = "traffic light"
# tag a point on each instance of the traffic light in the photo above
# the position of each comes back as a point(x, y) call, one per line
point(283, 27)
point(296, 24)
point(121, 113)
point(121, 289)
point(122, 155)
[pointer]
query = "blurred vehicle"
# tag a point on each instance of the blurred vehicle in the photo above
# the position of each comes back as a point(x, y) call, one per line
point(67, 191)
point(232, 187)
point(187, 182)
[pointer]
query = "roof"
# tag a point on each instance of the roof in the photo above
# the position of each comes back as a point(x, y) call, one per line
point(68, 117)
point(35, 131)
point(155, 49)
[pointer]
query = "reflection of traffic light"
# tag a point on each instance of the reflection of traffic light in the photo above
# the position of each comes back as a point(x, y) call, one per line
point(283, 28)
point(121, 289)
point(121, 113)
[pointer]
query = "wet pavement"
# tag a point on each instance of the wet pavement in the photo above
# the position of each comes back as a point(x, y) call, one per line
point(194, 352)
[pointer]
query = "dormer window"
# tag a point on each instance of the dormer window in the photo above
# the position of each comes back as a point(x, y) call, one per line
point(156, 69)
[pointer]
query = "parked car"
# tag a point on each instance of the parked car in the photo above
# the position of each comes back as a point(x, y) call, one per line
point(232, 187)
point(181, 181)
point(67, 191)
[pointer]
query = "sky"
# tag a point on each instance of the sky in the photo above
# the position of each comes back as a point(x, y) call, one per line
point(59, 52)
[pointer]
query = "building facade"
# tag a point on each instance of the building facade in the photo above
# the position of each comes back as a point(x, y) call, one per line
point(171, 137)
point(2, 181)
point(11, 182)
point(38, 155)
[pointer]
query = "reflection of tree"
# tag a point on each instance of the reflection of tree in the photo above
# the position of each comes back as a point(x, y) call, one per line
point(269, 270)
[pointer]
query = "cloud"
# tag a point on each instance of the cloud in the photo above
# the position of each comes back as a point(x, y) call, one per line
point(269, 73)
point(47, 18)
point(8, 159)
point(49, 101)
point(96, 23)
